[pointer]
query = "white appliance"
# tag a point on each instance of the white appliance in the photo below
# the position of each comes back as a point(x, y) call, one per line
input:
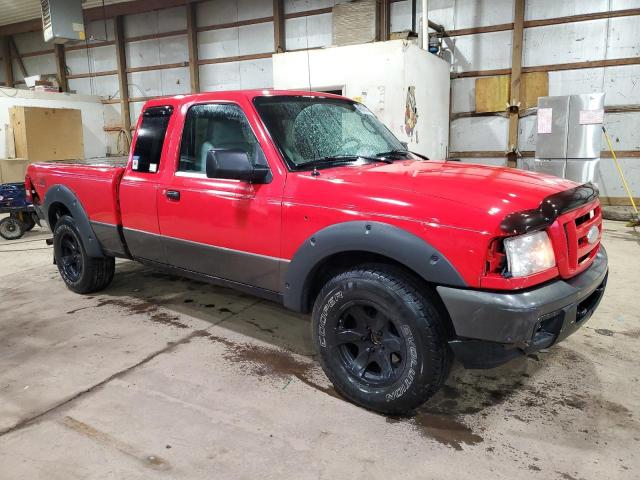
point(569, 136)
point(405, 86)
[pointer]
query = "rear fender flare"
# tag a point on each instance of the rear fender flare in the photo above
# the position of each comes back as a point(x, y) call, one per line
point(65, 196)
point(362, 236)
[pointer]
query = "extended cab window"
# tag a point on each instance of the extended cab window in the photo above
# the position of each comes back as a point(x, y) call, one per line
point(216, 126)
point(148, 150)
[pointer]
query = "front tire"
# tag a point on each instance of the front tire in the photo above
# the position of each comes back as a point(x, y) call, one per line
point(381, 342)
point(80, 272)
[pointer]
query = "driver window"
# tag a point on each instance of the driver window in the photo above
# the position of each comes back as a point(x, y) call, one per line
point(216, 126)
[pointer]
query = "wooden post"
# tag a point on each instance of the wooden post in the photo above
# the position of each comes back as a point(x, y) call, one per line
point(61, 67)
point(192, 41)
point(13, 49)
point(279, 42)
point(5, 51)
point(516, 70)
point(121, 58)
point(414, 20)
point(384, 20)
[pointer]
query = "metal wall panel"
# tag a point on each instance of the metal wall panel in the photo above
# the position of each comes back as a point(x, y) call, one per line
point(303, 32)
point(564, 43)
point(463, 95)
point(479, 133)
point(218, 43)
point(217, 12)
point(157, 52)
point(98, 59)
point(105, 86)
point(608, 179)
point(621, 85)
point(496, 162)
point(237, 75)
point(539, 9)
point(623, 40)
point(527, 133)
point(229, 42)
point(624, 130)
point(31, 42)
point(294, 6)
point(156, 21)
point(256, 73)
point(480, 13)
point(42, 64)
point(220, 76)
point(622, 4)
point(256, 38)
point(485, 51)
point(570, 82)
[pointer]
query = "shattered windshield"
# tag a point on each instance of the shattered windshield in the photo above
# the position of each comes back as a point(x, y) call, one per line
point(317, 130)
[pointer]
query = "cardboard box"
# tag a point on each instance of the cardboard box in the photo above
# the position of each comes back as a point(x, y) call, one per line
point(13, 170)
point(43, 134)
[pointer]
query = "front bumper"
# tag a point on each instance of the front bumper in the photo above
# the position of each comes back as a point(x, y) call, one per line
point(495, 327)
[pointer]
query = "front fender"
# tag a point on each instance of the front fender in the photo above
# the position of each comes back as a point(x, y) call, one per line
point(362, 236)
point(65, 196)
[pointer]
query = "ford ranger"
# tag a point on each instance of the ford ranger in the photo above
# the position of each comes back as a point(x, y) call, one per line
point(308, 200)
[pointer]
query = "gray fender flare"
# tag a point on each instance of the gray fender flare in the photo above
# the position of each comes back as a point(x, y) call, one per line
point(362, 236)
point(65, 196)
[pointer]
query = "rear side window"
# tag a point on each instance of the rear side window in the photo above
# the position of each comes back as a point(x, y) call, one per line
point(148, 150)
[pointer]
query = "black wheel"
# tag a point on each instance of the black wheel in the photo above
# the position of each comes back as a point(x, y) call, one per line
point(11, 228)
point(381, 341)
point(81, 273)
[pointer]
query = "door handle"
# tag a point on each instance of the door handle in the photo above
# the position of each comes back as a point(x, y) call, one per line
point(173, 195)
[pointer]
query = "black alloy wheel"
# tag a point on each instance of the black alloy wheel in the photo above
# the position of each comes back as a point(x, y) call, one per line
point(370, 344)
point(71, 257)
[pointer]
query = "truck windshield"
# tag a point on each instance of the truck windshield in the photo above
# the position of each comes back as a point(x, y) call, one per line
point(320, 131)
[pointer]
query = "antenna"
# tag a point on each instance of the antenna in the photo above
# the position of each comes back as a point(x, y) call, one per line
point(306, 27)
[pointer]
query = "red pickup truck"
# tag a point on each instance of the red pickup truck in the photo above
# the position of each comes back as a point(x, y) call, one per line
point(308, 200)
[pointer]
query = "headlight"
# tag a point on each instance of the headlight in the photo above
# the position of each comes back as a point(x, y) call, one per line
point(529, 254)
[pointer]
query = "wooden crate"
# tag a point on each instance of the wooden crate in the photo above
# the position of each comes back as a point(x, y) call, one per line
point(47, 133)
point(13, 170)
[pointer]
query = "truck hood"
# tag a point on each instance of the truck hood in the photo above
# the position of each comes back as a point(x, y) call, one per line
point(456, 194)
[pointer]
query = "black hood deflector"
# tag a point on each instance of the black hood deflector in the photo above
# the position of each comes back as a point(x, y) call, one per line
point(551, 208)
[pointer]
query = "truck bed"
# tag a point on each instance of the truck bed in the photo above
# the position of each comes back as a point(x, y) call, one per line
point(95, 185)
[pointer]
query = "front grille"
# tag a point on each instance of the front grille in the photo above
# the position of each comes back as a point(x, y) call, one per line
point(573, 251)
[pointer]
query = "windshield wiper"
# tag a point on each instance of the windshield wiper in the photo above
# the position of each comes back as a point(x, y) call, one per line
point(335, 160)
point(391, 153)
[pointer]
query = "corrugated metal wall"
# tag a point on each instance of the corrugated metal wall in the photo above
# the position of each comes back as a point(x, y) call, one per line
point(228, 29)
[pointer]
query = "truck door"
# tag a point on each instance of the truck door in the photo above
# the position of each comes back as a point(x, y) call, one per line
point(222, 228)
point(139, 184)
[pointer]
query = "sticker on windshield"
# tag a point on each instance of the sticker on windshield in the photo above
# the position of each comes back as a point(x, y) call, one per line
point(134, 163)
point(153, 167)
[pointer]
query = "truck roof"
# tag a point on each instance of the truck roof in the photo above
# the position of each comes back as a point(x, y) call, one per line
point(233, 95)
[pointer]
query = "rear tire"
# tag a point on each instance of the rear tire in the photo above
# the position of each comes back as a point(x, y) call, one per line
point(381, 341)
point(80, 272)
point(11, 228)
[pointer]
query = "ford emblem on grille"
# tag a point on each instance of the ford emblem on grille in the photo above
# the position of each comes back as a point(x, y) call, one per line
point(592, 235)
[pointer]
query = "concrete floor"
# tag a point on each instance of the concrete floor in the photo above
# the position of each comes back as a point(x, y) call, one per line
point(160, 377)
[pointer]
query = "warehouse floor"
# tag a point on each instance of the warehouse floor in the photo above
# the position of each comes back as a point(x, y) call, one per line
point(160, 377)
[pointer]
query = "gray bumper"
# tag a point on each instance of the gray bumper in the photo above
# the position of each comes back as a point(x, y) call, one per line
point(530, 319)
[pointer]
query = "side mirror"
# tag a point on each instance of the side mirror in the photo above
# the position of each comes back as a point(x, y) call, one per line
point(234, 164)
